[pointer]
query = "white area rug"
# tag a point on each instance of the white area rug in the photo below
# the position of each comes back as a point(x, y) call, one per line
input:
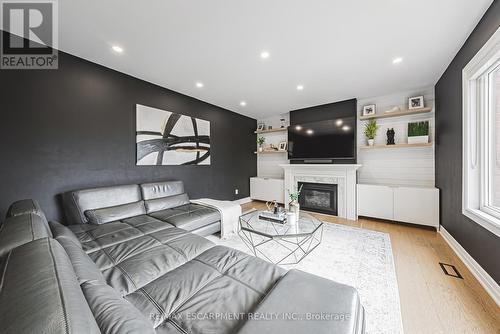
point(357, 257)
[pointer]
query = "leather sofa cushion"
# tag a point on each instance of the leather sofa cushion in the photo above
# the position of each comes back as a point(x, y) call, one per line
point(208, 229)
point(21, 229)
point(25, 206)
point(217, 281)
point(77, 202)
point(101, 236)
point(135, 251)
point(189, 217)
point(161, 189)
point(130, 265)
point(147, 224)
point(313, 295)
point(61, 231)
point(114, 213)
point(40, 293)
point(113, 314)
point(95, 237)
point(158, 204)
point(85, 269)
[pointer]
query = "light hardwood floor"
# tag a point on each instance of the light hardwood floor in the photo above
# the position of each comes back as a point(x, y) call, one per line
point(431, 302)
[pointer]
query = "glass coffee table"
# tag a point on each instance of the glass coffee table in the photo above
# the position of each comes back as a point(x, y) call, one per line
point(281, 243)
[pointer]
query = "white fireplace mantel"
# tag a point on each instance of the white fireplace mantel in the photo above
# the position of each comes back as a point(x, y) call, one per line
point(344, 176)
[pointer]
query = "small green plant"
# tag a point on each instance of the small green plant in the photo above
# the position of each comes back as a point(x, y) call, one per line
point(261, 141)
point(294, 195)
point(418, 129)
point(371, 129)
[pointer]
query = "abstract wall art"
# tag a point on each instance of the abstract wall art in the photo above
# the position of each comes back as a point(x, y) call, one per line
point(167, 138)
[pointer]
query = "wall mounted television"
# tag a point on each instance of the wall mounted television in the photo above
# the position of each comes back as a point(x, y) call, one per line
point(329, 139)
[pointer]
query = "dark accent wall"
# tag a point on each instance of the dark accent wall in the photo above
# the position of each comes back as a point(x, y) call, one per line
point(482, 245)
point(74, 128)
point(347, 108)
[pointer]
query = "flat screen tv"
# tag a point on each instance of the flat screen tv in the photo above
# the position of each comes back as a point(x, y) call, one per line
point(330, 139)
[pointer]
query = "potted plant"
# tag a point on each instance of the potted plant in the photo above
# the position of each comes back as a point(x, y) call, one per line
point(294, 205)
point(260, 142)
point(371, 128)
point(418, 132)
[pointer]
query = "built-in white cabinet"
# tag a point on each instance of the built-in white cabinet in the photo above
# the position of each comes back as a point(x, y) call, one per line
point(375, 201)
point(415, 205)
point(267, 189)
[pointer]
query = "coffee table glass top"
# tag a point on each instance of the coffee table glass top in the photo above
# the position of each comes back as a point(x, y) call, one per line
point(307, 224)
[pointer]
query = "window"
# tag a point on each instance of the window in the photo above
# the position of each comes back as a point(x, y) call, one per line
point(481, 136)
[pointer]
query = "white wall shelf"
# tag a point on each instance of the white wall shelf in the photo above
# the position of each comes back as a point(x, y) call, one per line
point(269, 152)
point(403, 145)
point(271, 131)
point(403, 164)
point(397, 114)
point(268, 162)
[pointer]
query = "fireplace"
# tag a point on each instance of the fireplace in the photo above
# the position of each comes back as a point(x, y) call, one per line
point(318, 197)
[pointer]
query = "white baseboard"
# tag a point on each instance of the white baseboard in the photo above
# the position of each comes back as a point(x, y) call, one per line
point(242, 200)
point(488, 283)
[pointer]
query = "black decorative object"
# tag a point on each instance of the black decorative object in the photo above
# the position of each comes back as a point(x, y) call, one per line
point(390, 136)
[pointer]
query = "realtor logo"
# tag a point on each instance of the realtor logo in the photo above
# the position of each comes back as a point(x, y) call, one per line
point(29, 35)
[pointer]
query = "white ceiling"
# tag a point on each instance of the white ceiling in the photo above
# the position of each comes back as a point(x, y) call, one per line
point(337, 49)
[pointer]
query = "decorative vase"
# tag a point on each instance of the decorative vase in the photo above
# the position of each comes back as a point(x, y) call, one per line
point(292, 222)
point(294, 207)
point(370, 142)
point(261, 149)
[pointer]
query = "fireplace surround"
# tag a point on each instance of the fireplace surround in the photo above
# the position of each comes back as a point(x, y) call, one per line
point(341, 175)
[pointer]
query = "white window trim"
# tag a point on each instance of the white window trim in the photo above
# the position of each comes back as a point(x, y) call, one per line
point(475, 150)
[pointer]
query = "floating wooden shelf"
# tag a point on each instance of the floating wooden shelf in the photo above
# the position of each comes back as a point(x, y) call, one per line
point(269, 152)
point(395, 146)
point(272, 130)
point(397, 113)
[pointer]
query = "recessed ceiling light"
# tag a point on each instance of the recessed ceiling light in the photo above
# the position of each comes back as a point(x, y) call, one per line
point(264, 55)
point(300, 87)
point(339, 122)
point(117, 49)
point(309, 132)
point(298, 127)
point(243, 103)
point(397, 60)
point(346, 128)
point(199, 84)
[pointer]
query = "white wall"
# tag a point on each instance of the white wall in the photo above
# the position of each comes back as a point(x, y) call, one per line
point(399, 166)
point(268, 164)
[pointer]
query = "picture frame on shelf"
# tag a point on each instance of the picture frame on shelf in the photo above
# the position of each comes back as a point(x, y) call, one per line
point(282, 123)
point(416, 102)
point(261, 127)
point(282, 146)
point(369, 110)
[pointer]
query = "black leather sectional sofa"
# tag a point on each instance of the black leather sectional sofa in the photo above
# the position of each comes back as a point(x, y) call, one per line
point(128, 264)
